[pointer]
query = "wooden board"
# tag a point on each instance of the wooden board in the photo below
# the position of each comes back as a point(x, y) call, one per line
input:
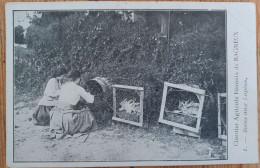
point(177, 130)
point(128, 87)
point(3, 78)
point(186, 88)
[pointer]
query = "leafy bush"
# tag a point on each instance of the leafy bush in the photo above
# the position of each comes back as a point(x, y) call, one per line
point(131, 53)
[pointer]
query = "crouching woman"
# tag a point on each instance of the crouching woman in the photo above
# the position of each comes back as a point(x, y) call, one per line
point(68, 118)
point(50, 98)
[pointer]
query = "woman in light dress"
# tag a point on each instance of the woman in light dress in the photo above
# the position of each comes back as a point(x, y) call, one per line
point(68, 118)
point(50, 98)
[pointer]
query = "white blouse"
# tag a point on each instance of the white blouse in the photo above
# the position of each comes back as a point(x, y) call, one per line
point(71, 93)
point(51, 93)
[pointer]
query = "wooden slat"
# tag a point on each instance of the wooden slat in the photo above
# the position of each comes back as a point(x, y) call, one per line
point(223, 94)
point(141, 107)
point(165, 89)
point(127, 121)
point(219, 121)
point(128, 87)
point(199, 114)
point(186, 88)
point(182, 126)
point(185, 132)
point(223, 137)
point(114, 101)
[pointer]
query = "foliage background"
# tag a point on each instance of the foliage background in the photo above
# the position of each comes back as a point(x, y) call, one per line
point(108, 44)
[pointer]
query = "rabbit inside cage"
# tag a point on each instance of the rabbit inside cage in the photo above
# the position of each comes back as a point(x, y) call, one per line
point(128, 104)
point(181, 107)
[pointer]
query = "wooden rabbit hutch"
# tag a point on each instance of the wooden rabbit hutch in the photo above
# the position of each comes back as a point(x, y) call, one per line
point(128, 104)
point(222, 117)
point(182, 108)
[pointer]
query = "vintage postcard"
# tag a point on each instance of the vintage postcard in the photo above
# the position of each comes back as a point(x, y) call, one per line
point(131, 84)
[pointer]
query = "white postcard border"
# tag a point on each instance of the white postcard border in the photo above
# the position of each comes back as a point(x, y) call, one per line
point(240, 20)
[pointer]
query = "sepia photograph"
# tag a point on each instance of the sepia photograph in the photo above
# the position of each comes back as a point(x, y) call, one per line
point(119, 85)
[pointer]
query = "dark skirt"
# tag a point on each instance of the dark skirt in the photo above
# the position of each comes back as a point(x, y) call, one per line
point(68, 122)
point(42, 115)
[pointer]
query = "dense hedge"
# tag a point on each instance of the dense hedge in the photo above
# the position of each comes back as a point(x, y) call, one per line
point(132, 53)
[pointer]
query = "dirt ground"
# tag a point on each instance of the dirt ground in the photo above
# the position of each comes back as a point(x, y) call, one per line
point(118, 142)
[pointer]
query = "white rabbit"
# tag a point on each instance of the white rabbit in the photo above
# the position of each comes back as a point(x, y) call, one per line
point(130, 107)
point(188, 107)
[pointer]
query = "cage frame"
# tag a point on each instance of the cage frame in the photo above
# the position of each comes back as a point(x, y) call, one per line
point(141, 90)
point(220, 135)
point(200, 95)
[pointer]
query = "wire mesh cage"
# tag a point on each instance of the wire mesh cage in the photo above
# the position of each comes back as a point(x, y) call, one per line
point(182, 106)
point(222, 116)
point(128, 104)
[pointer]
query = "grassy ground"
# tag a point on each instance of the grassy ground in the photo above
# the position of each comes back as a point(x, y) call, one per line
point(117, 142)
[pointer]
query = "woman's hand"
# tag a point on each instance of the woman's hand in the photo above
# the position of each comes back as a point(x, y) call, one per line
point(54, 97)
